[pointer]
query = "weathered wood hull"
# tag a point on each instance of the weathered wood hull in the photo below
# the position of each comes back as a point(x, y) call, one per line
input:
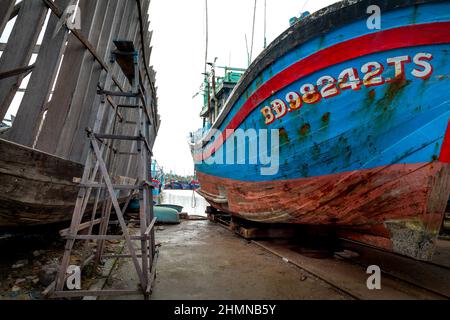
point(363, 130)
point(36, 188)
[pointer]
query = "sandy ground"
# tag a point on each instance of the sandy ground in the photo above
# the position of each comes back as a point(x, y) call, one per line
point(201, 260)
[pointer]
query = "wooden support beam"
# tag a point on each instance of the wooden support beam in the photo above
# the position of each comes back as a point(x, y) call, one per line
point(150, 227)
point(35, 49)
point(119, 94)
point(82, 226)
point(23, 71)
point(31, 110)
point(16, 10)
point(92, 102)
point(118, 137)
point(6, 8)
point(80, 36)
point(19, 49)
point(119, 213)
point(115, 186)
point(141, 26)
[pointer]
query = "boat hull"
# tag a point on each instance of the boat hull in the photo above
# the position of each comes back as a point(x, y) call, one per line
point(37, 188)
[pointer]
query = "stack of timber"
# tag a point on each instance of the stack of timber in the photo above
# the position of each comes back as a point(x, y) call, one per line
point(46, 146)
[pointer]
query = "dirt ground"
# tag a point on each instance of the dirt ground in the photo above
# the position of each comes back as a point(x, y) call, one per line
point(201, 260)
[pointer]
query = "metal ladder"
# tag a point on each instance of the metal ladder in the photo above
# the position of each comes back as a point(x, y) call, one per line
point(97, 176)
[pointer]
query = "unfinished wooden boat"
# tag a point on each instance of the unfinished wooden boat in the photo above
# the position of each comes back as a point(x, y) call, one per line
point(43, 151)
point(361, 117)
point(36, 188)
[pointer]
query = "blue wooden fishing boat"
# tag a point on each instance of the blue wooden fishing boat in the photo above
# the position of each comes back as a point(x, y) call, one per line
point(355, 119)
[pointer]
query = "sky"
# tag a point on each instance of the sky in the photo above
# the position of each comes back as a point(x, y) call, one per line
point(179, 53)
point(178, 57)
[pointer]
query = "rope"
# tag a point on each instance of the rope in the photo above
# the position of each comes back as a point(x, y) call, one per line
point(193, 200)
point(306, 2)
point(253, 32)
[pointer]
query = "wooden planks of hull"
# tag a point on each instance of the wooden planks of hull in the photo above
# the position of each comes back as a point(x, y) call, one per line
point(36, 187)
point(398, 207)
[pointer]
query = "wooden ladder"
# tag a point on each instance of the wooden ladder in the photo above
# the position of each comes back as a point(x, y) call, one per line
point(97, 176)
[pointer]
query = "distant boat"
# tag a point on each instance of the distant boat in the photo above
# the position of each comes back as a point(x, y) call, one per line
point(181, 185)
point(362, 115)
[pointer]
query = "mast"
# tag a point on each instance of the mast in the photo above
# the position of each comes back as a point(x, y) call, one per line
point(265, 24)
point(253, 31)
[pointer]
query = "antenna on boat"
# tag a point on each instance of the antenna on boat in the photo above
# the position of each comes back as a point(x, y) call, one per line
point(248, 53)
point(206, 80)
point(206, 33)
point(265, 23)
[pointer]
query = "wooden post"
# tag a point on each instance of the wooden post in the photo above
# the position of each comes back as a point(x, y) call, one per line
point(19, 49)
point(113, 134)
point(72, 137)
point(29, 115)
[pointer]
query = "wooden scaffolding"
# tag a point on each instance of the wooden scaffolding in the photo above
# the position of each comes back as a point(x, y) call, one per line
point(91, 101)
point(97, 176)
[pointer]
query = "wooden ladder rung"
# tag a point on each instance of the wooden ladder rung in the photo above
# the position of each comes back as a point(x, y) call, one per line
point(115, 186)
point(103, 237)
point(118, 137)
point(119, 93)
point(129, 106)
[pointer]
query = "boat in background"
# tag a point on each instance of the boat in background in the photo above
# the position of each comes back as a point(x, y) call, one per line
point(361, 116)
point(158, 179)
point(182, 185)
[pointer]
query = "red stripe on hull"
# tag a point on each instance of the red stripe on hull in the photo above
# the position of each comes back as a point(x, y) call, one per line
point(403, 202)
point(445, 151)
point(408, 36)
